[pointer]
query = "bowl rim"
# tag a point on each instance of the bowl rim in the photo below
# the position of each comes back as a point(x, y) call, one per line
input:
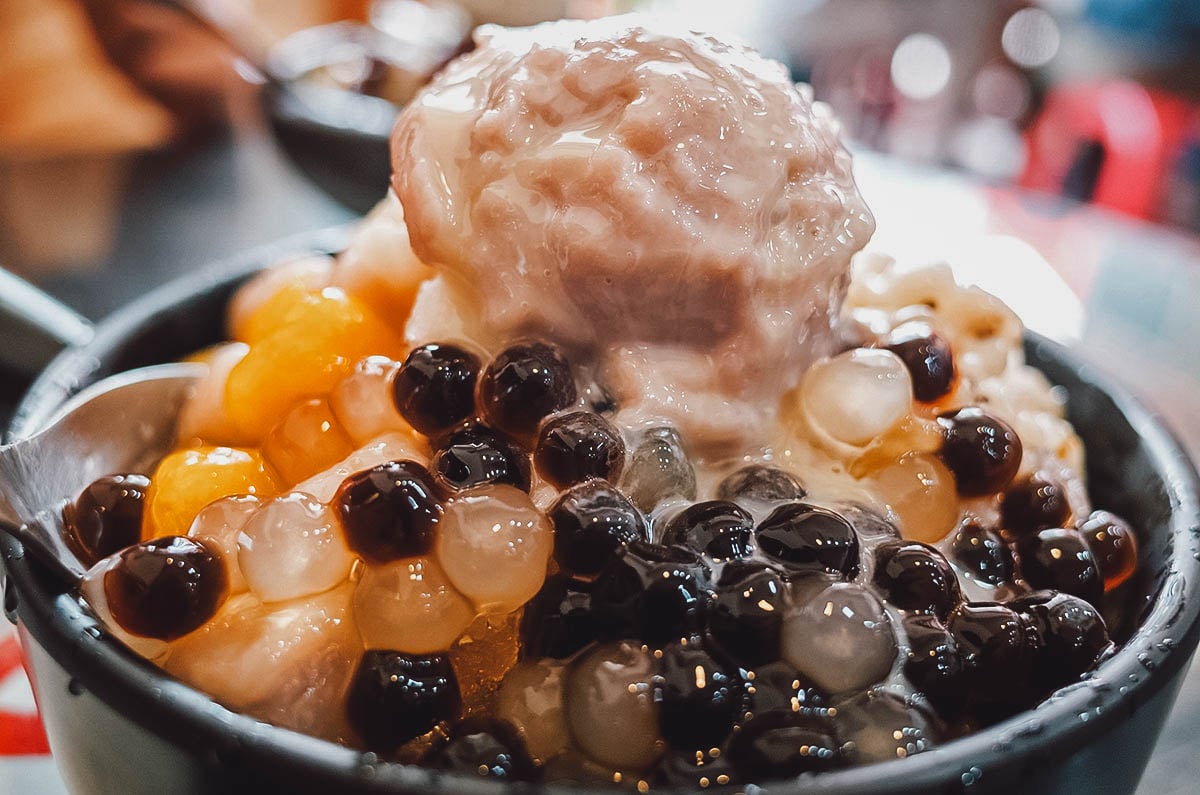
point(1161, 645)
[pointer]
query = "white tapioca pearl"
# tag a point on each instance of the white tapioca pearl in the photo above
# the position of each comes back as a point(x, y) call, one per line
point(219, 524)
point(410, 606)
point(841, 639)
point(293, 546)
point(856, 396)
point(362, 401)
point(204, 416)
point(494, 545)
point(389, 447)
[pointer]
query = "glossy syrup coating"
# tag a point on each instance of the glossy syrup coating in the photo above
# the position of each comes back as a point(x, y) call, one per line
point(435, 387)
point(650, 592)
point(983, 554)
point(592, 522)
point(1059, 559)
point(804, 537)
point(928, 357)
point(983, 451)
point(1035, 503)
point(475, 455)
point(523, 384)
point(395, 697)
point(915, 576)
point(745, 618)
point(579, 445)
point(1114, 546)
point(166, 588)
point(389, 511)
point(107, 516)
point(1072, 631)
point(699, 697)
point(718, 529)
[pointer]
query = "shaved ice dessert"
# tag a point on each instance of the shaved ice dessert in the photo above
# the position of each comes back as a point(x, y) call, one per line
point(601, 455)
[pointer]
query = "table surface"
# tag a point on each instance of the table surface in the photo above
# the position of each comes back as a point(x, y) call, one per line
point(1116, 290)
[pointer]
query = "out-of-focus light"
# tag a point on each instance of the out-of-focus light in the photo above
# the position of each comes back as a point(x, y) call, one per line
point(921, 66)
point(1001, 91)
point(1030, 38)
point(990, 147)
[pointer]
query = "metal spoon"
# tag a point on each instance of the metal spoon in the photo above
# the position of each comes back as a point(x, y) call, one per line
point(124, 423)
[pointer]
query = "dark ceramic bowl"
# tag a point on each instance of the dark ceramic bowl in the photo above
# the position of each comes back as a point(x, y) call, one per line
point(119, 725)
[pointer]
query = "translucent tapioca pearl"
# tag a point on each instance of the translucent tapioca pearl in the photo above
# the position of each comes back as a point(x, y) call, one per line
point(290, 660)
point(482, 655)
point(1072, 632)
point(531, 699)
point(306, 441)
point(219, 524)
point(249, 313)
point(165, 588)
point(1032, 504)
point(397, 696)
point(807, 538)
point(915, 576)
point(982, 450)
point(879, 726)
point(434, 389)
point(362, 401)
point(576, 446)
point(856, 396)
point(475, 455)
point(610, 707)
point(410, 606)
point(927, 356)
point(390, 511)
point(842, 639)
point(107, 516)
point(1059, 559)
point(394, 446)
point(379, 265)
point(933, 663)
point(204, 417)
point(1114, 546)
point(719, 529)
point(999, 648)
point(523, 384)
point(699, 698)
point(760, 483)
point(487, 749)
point(292, 547)
point(659, 470)
point(779, 745)
point(919, 491)
point(494, 545)
point(304, 359)
point(746, 617)
point(187, 480)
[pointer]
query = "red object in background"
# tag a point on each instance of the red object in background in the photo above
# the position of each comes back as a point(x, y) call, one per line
point(1113, 144)
point(21, 732)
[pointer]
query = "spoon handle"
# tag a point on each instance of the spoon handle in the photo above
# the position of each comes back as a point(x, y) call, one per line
point(34, 327)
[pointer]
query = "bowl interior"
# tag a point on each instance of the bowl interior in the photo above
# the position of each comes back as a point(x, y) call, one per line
point(1134, 467)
